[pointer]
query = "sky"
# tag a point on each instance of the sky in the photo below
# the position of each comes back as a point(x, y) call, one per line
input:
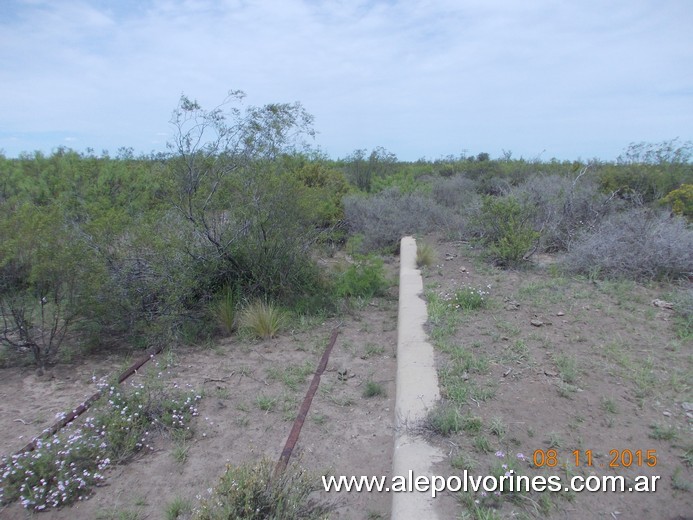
point(541, 79)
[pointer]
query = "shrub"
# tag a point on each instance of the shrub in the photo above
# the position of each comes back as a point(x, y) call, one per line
point(383, 219)
point(264, 320)
point(363, 279)
point(253, 492)
point(638, 244)
point(44, 279)
point(506, 225)
point(325, 189)
point(681, 200)
point(646, 172)
point(562, 207)
point(455, 192)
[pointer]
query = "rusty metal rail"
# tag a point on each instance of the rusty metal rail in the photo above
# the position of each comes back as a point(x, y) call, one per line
point(84, 406)
point(305, 407)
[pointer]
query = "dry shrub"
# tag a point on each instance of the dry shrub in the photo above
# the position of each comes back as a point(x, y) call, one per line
point(383, 219)
point(563, 207)
point(639, 244)
point(455, 192)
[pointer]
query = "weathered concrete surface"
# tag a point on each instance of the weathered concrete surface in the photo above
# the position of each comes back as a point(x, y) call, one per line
point(417, 391)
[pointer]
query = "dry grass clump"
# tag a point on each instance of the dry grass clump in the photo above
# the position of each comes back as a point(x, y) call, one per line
point(263, 319)
point(425, 255)
point(255, 492)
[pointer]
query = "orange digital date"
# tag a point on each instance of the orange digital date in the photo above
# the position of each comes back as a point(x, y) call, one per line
point(617, 458)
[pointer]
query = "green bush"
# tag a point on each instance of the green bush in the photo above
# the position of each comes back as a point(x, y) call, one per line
point(506, 225)
point(363, 279)
point(681, 201)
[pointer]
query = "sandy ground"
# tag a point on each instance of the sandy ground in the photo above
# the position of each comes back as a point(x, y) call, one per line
point(344, 433)
point(630, 370)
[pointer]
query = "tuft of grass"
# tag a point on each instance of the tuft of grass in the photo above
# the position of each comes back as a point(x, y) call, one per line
point(463, 461)
point(254, 493)
point(687, 456)
point(472, 423)
point(373, 389)
point(445, 419)
point(363, 279)
point(224, 311)
point(425, 255)
point(266, 403)
point(177, 508)
point(567, 366)
point(469, 299)
point(608, 405)
point(555, 440)
point(180, 452)
point(481, 444)
point(679, 482)
point(371, 350)
point(292, 376)
point(263, 319)
point(497, 427)
point(662, 433)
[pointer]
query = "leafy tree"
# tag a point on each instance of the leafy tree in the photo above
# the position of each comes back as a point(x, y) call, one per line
point(248, 223)
point(361, 171)
point(44, 271)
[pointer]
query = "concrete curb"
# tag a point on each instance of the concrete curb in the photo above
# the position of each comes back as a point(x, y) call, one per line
point(417, 390)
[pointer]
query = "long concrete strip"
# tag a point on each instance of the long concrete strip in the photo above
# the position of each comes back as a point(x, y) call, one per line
point(417, 391)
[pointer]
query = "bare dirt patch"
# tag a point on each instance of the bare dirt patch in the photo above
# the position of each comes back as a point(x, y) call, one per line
point(251, 394)
point(553, 362)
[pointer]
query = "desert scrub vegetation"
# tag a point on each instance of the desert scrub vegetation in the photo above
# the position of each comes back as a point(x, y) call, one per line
point(123, 422)
point(102, 251)
point(507, 230)
point(365, 278)
point(640, 243)
point(386, 217)
point(253, 491)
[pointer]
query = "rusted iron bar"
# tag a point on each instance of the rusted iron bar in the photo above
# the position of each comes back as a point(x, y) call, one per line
point(305, 407)
point(86, 404)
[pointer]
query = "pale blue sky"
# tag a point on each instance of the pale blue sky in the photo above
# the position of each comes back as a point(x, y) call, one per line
point(543, 78)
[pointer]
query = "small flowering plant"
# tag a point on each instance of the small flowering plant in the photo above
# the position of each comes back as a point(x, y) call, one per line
point(468, 298)
point(504, 465)
point(68, 465)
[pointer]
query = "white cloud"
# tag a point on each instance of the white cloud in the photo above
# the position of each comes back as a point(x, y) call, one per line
point(422, 78)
